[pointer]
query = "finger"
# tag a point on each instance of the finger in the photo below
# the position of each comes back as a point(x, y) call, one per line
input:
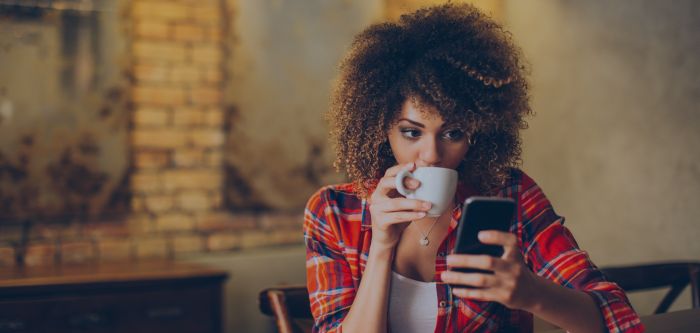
point(495, 237)
point(385, 185)
point(411, 183)
point(393, 171)
point(505, 239)
point(478, 280)
point(485, 262)
point(402, 204)
point(475, 294)
point(512, 253)
point(403, 217)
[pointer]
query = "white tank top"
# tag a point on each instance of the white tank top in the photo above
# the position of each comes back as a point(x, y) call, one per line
point(413, 305)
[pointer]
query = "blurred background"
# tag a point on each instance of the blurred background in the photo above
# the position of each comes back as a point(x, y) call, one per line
point(193, 130)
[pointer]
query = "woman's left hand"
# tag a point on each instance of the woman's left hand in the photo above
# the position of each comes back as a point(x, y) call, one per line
point(512, 283)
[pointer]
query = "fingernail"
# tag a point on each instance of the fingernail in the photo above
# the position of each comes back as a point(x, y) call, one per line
point(427, 204)
point(482, 235)
point(421, 214)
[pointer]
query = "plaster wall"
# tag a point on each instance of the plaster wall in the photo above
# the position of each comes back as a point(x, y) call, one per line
point(615, 142)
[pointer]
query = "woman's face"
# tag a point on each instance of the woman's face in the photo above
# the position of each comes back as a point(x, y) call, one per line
point(422, 137)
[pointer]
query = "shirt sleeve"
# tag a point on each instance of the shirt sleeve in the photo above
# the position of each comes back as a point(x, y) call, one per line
point(328, 276)
point(551, 251)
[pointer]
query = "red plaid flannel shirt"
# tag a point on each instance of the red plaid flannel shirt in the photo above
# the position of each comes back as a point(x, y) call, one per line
point(338, 232)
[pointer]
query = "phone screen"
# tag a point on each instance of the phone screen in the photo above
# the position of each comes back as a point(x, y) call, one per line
point(482, 213)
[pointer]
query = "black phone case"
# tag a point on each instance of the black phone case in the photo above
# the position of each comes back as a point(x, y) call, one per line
point(482, 213)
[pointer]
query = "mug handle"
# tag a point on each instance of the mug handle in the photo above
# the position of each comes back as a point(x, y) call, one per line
point(399, 182)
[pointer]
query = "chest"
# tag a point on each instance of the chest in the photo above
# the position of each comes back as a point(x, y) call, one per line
point(414, 259)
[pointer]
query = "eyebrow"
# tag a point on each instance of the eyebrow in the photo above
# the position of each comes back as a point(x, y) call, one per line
point(418, 124)
point(413, 122)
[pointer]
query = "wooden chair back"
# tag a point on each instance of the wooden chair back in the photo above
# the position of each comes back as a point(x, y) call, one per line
point(290, 307)
point(676, 275)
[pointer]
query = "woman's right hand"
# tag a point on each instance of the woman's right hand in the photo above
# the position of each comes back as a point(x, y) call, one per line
point(390, 211)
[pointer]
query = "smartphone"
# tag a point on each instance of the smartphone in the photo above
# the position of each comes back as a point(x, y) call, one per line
point(482, 213)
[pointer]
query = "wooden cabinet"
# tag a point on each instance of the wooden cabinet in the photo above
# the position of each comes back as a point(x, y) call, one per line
point(156, 296)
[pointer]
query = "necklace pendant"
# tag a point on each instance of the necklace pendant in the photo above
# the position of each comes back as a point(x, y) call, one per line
point(424, 241)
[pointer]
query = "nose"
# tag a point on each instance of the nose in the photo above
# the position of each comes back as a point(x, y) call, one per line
point(430, 154)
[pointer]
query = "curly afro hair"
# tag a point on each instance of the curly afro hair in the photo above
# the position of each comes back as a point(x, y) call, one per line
point(452, 57)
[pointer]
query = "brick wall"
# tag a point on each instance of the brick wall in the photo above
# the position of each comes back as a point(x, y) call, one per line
point(177, 137)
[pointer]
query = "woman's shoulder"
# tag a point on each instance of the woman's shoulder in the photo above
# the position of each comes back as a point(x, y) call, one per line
point(529, 195)
point(342, 195)
point(338, 209)
point(518, 182)
point(523, 188)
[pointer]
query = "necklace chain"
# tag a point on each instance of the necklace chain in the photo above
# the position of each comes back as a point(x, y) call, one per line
point(425, 241)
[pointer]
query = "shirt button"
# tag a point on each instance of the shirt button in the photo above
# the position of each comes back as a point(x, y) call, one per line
point(442, 304)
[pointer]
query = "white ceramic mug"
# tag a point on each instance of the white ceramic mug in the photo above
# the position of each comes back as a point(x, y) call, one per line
point(438, 186)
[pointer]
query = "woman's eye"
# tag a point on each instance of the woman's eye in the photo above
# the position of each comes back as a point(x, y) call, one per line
point(410, 133)
point(454, 135)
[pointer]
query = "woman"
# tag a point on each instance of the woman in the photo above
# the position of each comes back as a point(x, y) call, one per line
point(443, 87)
